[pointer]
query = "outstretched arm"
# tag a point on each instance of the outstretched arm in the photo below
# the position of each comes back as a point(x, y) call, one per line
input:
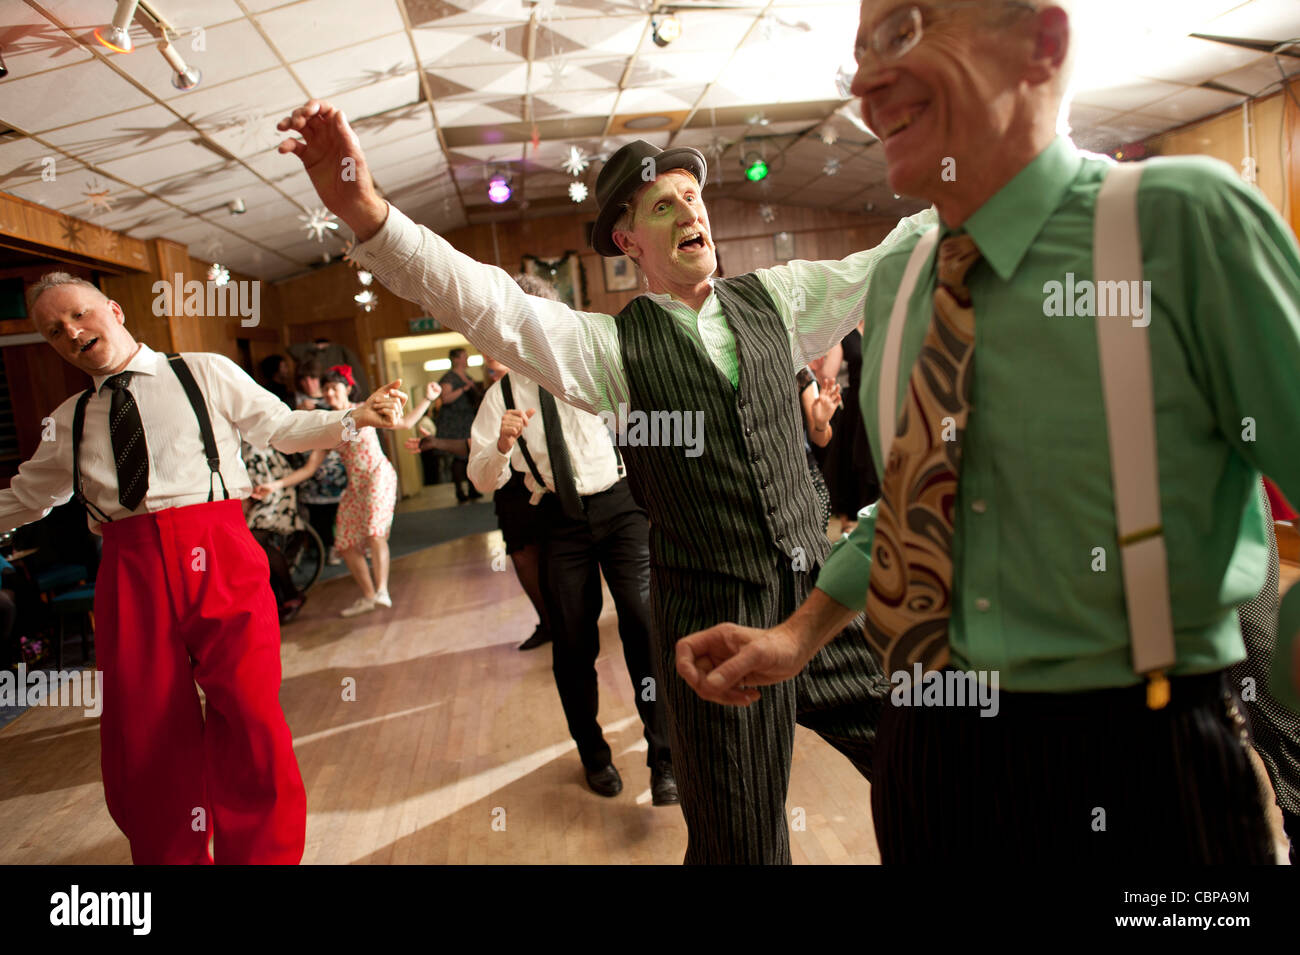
point(575, 355)
point(431, 392)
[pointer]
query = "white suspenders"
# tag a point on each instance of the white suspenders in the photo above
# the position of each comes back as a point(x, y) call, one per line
point(1125, 358)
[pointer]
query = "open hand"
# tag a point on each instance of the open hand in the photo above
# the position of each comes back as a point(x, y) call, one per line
point(332, 156)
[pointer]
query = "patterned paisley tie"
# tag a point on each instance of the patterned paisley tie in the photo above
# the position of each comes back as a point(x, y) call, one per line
point(910, 595)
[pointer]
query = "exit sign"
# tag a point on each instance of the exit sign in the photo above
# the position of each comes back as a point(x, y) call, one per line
point(421, 325)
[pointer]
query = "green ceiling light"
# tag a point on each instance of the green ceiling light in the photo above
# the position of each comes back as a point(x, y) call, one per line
point(755, 167)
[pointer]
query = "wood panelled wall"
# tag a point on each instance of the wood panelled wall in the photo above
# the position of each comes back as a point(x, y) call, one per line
point(1275, 145)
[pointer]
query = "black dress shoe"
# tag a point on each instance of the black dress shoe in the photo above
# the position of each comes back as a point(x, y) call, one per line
point(605, 782)
point(663, 787)
point(540, 637)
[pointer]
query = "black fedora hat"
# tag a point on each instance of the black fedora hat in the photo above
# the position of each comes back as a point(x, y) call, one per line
point(625, 173)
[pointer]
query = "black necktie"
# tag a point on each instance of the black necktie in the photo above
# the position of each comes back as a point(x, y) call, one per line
point(130, 451)
point(561, 465)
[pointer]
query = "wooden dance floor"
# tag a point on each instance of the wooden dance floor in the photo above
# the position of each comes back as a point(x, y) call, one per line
point(454, 750)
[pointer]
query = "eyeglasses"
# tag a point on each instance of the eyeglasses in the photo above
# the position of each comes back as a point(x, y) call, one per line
point(898, 33)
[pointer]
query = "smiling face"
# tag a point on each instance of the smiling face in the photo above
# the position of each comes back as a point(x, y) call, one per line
point(336, 396)
point(670, 237)
point(85, 327)
point(968, 85)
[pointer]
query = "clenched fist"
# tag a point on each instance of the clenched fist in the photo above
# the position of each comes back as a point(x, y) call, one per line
point(512, 426)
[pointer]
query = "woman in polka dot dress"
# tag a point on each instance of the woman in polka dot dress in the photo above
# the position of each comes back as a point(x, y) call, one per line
point(365, 513)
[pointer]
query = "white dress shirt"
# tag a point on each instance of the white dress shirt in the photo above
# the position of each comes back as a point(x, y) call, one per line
point(595, 466)
point(576, 356)
point(178, 470)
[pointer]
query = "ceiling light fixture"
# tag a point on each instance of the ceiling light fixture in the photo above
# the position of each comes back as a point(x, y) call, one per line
point(185, 77)
point(236, 207)
point(499, 190)
point(755, 166)
point(116, 36)
point(665, 29)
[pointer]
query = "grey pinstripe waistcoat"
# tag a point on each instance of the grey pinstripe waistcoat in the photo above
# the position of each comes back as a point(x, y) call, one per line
point(747, 499)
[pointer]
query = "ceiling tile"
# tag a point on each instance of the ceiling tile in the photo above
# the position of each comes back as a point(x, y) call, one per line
point(317, 26)
point(46, 100)
point(358, 66)
point(1190, 104)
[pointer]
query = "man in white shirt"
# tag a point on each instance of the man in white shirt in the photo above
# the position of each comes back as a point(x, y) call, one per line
point(592, 524)
point(183, 593)
point(734, 521)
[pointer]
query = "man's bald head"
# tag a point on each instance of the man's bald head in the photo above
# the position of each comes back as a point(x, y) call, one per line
point(962, 94)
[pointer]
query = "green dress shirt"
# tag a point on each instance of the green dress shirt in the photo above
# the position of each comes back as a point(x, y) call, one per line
point(1035, 522)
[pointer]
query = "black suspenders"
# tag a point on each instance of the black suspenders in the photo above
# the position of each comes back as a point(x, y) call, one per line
point(509, 395)
point(205, 425)
point(186, 378)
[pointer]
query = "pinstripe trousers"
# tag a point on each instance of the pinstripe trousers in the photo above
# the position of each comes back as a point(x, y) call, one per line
point(733, 763)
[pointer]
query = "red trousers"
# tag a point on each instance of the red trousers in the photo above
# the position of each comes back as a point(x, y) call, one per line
point(184, 597)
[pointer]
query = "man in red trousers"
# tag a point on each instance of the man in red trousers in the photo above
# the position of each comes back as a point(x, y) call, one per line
point(183, 594)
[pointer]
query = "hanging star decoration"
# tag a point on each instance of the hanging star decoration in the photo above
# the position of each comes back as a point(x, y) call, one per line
point(317, 221)
point(348, 248)
point(557, 69)
point(72, 233)
point(578, 191)
point(766, 212)
point(575, 162)
point(98, 196)
point(364, 277)
point(366, 299)
point(218, 274)
point(832, 166)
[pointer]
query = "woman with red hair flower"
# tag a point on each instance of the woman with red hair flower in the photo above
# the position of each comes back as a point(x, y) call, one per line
point(365, 513)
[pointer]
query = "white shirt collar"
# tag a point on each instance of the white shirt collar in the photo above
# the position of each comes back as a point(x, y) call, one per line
point(144, 362)
point(665, 298)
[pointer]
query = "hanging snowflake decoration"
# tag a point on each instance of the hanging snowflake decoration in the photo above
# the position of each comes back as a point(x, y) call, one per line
point(828, 135)
point(98, 196)
point(766, 212)
point(575, 162)
point(317, 221)
point(558, 69)
point(578, 191)
point(757, 119)
point(366, 299)
point(832, 166)
point(218, 274)
point(364, 277)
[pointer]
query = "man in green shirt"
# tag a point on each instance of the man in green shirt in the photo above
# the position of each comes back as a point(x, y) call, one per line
point(1077, 761)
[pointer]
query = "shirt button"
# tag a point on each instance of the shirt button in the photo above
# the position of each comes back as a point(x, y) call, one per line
point(740, 403)
point(982, 604)
point(764, 485)
point(771, 510)
point(979, 505)
point(748, 432)
point(756, 459)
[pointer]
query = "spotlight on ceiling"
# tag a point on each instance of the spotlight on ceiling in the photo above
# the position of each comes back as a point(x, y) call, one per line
point(665, 29)
point(755, 166)
point(116, 35)
point(499, 190)
point(236, 207)
point(185, 77)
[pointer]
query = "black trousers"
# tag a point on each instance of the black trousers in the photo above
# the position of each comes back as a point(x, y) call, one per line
point(615, 539)
point(1054, 778)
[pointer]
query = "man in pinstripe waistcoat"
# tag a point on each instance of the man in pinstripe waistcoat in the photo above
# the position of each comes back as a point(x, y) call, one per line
point(735, 528)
